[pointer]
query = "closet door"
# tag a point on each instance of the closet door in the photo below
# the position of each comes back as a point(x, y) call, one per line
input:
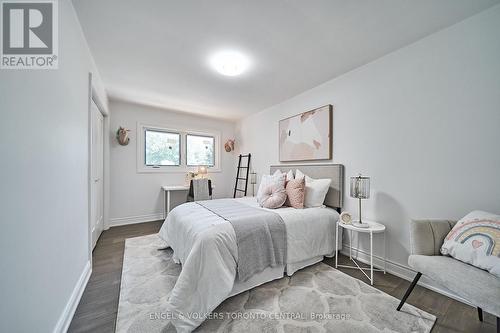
point(97, 174)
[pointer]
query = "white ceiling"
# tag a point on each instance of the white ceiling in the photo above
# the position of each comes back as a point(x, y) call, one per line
point(155, 52)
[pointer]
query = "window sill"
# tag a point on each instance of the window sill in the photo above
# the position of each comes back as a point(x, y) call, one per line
point(181, 170)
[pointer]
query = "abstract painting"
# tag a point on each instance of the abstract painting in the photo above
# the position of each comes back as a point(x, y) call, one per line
point(307, 136)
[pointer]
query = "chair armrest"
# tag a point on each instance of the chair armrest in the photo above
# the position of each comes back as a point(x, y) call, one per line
point(427, 236)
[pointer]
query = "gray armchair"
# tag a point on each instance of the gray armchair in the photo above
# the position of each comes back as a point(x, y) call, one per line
point(475, 285)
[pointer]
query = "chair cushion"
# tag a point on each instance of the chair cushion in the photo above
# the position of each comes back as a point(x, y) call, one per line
point(475, 285)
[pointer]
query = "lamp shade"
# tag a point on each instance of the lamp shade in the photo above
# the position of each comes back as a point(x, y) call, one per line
point(202, 170)
point(360, 187)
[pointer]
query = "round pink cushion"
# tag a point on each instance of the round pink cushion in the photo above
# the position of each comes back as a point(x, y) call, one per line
point(273, 197)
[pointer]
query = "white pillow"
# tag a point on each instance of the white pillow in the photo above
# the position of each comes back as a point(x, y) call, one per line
point(277, 180)
point(289, 174)
point(316, 190)
point(475, 240)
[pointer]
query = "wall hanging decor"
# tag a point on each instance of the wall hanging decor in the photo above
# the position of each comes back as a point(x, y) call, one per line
point(122, 136)
point(229, 145)
point(307, 136)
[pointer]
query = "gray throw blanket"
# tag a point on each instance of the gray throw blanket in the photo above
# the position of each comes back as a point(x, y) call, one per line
point(260, 235)
point(200, 189)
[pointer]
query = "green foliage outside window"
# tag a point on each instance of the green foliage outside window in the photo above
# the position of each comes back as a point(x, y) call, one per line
point(162, 148)
point(200, 150)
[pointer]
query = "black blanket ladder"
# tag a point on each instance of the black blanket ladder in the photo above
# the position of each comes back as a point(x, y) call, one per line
point(242, 177)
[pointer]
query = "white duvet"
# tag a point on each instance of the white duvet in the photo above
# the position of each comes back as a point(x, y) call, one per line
point(205, 245)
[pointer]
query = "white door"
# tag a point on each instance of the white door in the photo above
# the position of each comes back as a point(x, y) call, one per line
point(97, 173)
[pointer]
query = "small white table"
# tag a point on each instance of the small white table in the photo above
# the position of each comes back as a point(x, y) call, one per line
point(166, 195)
point(374, 228)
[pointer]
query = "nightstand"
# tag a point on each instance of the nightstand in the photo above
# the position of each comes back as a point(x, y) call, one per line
point(374, 228)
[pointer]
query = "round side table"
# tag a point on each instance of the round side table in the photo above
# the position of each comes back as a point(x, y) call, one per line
point(373, 228)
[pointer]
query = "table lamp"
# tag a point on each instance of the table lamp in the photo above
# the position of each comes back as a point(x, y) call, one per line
point(202, 170)
point(360, 189)
point(253, 181)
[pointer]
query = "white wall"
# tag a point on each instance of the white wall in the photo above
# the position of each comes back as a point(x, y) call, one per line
point(423, 122)
point(44, 188)
point(137, 196)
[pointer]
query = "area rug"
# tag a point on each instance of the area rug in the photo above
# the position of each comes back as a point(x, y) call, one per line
point(316, 299)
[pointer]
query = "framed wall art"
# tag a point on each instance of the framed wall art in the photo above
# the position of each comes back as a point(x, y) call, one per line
point(307, 136)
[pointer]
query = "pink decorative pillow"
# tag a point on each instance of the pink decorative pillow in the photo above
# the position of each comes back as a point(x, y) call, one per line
point(278, 179)
point(273, 196)
point(295, 190)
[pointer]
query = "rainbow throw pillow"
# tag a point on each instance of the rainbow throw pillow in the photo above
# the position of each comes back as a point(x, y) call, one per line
point(475, 240)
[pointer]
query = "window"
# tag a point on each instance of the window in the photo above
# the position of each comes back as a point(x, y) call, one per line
point(173, 149)
point(162, 148)
point(200, 150)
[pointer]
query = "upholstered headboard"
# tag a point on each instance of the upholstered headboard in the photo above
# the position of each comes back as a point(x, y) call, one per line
point(335, 196)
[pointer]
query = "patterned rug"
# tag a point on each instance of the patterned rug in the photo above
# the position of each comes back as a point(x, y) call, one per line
point(316, 299)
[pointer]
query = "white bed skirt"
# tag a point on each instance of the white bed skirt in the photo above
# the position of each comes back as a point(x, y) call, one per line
point(270, 274)
point(267, 275)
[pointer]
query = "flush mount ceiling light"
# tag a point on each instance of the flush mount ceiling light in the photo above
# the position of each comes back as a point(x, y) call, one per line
point(229, 63)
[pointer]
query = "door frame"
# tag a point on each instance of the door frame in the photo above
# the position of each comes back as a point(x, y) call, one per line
point(93, 96)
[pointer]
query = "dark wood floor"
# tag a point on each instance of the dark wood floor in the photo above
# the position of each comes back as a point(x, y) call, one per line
point(99, 304)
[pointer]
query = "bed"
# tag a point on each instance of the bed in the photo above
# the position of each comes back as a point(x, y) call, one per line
point(204, 242)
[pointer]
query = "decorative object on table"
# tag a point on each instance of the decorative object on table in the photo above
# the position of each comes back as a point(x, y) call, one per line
point(189, 176)
point(229, 145)
point(253, 181)
point(307, 136)
point(202, 171)
point(360, 189)
point(122, 136)
point(346, 217)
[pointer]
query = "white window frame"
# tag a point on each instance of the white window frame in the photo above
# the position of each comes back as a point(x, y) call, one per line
point(199, 135)
point(166, 132)
point(182, 168)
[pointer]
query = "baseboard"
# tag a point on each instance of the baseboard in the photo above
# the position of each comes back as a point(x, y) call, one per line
point(117, 221)
point(399, 270)
point(70, 308)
